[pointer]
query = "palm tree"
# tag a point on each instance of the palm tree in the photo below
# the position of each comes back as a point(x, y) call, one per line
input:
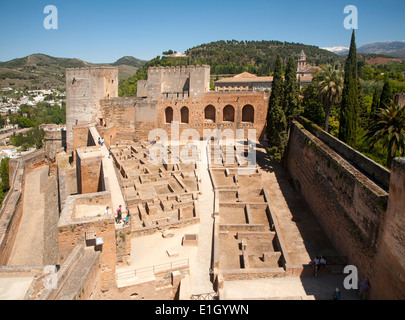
point(330, 86)
point(389, 130)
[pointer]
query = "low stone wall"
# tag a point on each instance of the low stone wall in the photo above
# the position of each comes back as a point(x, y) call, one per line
point(370, 168)
point(252, 273)
point(123, 240)
point(151, 230)
point(242, 227)
point(83, 288)
point(71, 231)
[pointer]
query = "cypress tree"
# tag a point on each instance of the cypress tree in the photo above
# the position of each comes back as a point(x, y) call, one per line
point(276, 119)
point(375, 105)
point(386, 95)
point(350, 98)
point(5, 181)
point(291, 92)
point(312, 104)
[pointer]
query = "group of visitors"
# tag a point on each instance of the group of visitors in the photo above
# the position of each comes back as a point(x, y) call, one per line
point(100, 141)
point(118, 218)
point(318, 262)
point(364, 285)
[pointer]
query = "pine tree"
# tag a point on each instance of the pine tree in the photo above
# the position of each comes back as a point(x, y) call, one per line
point(276, 119)
point(350, 98)
point(291, 92)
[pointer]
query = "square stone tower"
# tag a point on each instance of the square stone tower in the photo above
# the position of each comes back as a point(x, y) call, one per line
point(175, 83)
point(85, 87)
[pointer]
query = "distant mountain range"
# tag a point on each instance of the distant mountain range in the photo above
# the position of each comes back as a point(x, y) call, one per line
point(40, 71)
point(389, 48)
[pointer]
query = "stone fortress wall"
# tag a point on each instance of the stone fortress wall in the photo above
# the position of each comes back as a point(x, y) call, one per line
point(170, 94)
point(356, 202)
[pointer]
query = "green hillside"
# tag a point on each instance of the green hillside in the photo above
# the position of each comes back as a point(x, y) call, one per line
point(40, 71)
point(233, 57)
point(129, 61)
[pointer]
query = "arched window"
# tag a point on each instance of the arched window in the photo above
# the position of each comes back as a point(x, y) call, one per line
point(184, 115)
point(229, 113)
point(248, 113)
point(209, 113)
point(169, 114)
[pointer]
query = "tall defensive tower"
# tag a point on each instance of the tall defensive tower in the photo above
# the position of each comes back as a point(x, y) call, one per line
point(85, 87)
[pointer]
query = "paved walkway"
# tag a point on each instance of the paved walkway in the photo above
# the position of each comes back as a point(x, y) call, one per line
point(303, 235)
point(108, 166)
point(200, 277)
point(29, 244)
point(320, 288)
point(14, 288)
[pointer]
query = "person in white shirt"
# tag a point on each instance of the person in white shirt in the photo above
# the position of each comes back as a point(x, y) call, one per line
point(316, 265)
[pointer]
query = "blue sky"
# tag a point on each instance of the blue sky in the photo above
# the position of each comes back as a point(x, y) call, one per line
point(102, 31)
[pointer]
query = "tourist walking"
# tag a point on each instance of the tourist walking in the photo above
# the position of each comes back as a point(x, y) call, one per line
point(119, 215)
point(336, 294)
point(316, 264)
point(126, 221)
point(322, 261)
point(364, 287)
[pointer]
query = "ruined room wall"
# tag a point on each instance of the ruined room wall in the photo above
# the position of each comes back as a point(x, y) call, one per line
point(53, 143)
point(123, 239)
point(73, 232)
point(350, 207)
point(89, 169)
point(80, 135)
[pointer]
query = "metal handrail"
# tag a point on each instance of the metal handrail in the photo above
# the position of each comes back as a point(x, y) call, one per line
point(155, 269)
point(336, 260)
point(205, 296)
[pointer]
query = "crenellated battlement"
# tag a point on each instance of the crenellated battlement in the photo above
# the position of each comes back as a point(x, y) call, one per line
point(178, 69)
point(182, 81)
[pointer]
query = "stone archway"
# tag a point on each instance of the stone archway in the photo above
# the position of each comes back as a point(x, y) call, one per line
point(209, 113)
point(248, 113)
point(169, 115)
point(184, 115)
point(229, 113)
